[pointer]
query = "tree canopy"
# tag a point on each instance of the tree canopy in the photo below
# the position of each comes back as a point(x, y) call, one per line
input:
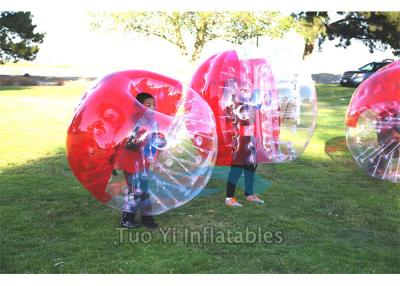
point(377, 30)
point(234, 27)
point(18, 39)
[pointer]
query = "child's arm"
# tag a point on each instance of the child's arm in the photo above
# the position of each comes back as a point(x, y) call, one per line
point(135, 139)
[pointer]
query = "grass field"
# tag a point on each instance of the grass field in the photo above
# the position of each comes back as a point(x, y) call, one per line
point(323, 214)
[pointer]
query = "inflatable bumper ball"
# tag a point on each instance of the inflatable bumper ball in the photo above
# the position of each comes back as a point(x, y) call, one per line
point(136, 158)
point(260, 118)
point(373, 124)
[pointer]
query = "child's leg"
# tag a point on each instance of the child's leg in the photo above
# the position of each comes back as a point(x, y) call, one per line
point(233, 177)
point(249, 172)
point(129, 208)
point(145, 205)
point(129, 180)
point(391, 150)
point(145, 202)
point(129, 205)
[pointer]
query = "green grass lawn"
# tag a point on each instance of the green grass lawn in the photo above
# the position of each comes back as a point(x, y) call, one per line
point(331, 216)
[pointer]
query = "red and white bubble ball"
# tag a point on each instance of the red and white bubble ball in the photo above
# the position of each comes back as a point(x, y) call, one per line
point(262, 116)
point(176, 142)
point(373, 124)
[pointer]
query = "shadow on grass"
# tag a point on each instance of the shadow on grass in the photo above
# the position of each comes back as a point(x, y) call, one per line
point(332, 217)
point(336, 148)
point(219, 180)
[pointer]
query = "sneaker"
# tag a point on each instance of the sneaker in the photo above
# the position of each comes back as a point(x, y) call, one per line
point(128, 220)
point(232, 202)
point(254, 199)
point(149, 222)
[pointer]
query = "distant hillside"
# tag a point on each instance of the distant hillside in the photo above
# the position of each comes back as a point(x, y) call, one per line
point(28, 80)
point(326, 78)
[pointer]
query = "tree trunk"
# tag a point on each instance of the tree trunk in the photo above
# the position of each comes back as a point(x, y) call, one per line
point(200, 40)
point(308, 49)
point(196, 53)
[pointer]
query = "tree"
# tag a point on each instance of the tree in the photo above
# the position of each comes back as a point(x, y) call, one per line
point(235, 27)
point(377, 30)
point(17, 37)
point(312, 26)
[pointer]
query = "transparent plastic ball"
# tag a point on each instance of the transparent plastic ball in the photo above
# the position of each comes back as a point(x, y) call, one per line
point(142, 159)
point(272, 112)
point(297, 99)
point(373, 124)
point(375, 142)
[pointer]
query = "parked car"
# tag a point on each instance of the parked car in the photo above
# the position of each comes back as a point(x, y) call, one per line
point(355, 78)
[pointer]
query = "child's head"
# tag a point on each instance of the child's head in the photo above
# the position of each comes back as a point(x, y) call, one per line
point(146, 99)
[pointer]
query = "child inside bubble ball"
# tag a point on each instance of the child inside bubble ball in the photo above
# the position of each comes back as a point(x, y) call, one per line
point(389, 128)
point(242, 113)
point(134, 163)
point(388, 137)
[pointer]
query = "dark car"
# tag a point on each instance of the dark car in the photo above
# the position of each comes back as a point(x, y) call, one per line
point(354, 78)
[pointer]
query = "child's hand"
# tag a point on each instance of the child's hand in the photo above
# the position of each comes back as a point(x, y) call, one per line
point(136, 139)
